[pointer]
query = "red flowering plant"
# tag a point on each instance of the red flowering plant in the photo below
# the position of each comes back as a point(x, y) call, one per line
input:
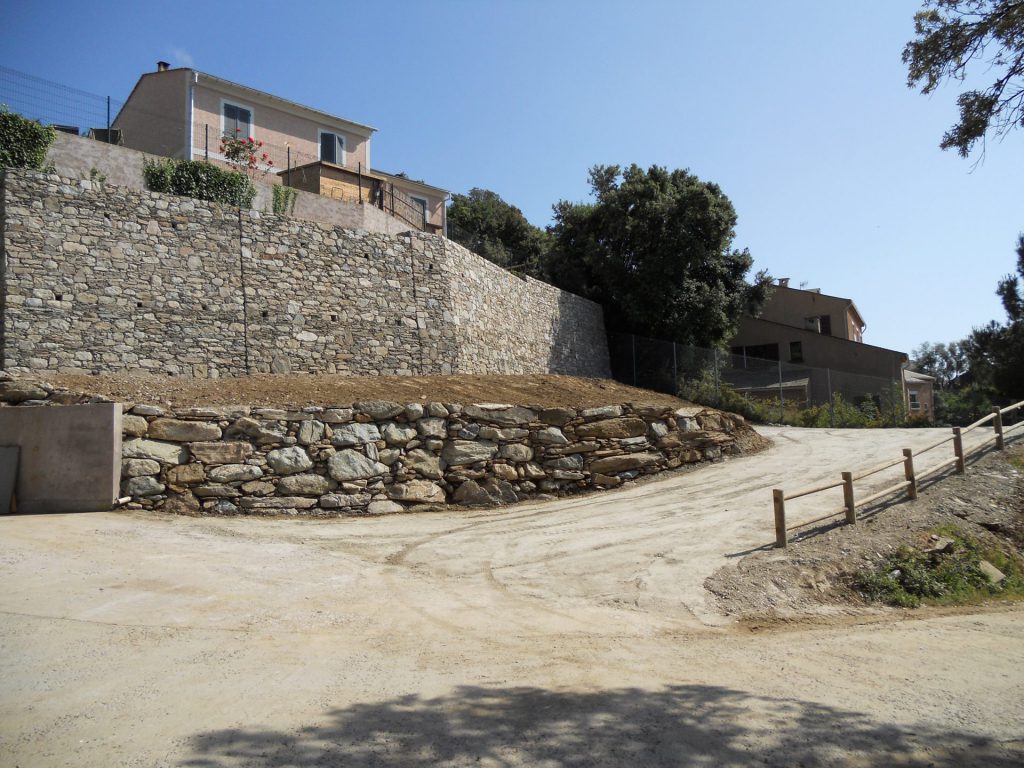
point(246, 155)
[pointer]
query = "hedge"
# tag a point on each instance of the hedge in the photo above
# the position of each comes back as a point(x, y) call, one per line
point(199, 179)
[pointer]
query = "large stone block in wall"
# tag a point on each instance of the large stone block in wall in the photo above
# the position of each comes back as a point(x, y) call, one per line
point(355, 434)
point(619, 428)
point(165, 453)
point(221, 453)
point(460, 452)
point(183, 431)
point(630, 461)
point(349, 465)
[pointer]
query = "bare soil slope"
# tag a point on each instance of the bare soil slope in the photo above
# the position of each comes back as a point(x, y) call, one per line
point(301, 390)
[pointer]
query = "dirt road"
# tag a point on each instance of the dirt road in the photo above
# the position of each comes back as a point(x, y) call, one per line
point(570, 633)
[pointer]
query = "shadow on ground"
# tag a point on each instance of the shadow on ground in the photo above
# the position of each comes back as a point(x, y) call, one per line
point(687, 725)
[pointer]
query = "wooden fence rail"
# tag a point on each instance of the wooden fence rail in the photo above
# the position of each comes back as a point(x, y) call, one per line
point(909, 484)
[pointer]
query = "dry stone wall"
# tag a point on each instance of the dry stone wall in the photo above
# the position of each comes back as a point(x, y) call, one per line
point(377, 457)
point(104, 278)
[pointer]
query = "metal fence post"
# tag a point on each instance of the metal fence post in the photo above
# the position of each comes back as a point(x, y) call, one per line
point(633, 337)
point(958, 449)
point(997, 425)
point(675, 369)
point(782, 398)
point(108, 120)
point(831, 405)
point(779, 499)
point(718, 383)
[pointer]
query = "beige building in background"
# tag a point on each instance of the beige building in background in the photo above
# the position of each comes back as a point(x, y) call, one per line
point(184, 113)
point(821, 338)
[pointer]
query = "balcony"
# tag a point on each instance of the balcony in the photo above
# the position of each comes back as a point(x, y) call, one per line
point(356, 186)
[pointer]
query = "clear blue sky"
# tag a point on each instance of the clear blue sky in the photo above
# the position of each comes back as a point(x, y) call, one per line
point(799, 110)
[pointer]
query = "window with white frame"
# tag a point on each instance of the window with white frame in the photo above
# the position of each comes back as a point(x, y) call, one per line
point(332, 147)
point(236, 120)
point(915, 402)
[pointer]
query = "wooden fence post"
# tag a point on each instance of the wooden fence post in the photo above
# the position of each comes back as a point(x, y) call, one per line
point(958, 449)
point(851, 506)
point(997, 423)
point(780, 518)
point(908, 471)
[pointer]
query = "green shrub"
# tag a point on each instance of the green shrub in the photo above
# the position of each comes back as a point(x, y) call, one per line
point(910, 577)
point(198, 179)
point(23, 142)
point(761, 408)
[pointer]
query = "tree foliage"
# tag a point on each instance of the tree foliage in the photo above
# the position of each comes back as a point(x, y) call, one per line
point(985, 368)
point(655, 248)
point(953, 34)
point(946, 362)
point(997, 351)
point(490, 227)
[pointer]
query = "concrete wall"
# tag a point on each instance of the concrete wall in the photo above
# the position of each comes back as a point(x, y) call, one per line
point(113, 279)
point(155, 118)
point(791, 306)
point(70, 458)
point(378, 457)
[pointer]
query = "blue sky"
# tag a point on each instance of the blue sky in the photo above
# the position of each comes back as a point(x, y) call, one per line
point(798, 109)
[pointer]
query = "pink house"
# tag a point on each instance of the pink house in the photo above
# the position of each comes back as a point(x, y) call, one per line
point(183, 113)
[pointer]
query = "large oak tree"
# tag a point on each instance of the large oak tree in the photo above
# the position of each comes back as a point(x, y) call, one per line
point(655, 248)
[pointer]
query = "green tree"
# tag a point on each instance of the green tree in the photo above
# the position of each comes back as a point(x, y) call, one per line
point(490, 227)
point(946, 362)
point(996, 351)
point(950, 35)
point(655, 248)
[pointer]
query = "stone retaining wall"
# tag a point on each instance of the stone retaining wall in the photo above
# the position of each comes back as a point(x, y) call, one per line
point(105, 278)
point(378, 457)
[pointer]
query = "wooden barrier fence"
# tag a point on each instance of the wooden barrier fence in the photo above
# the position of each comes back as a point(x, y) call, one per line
point(911, 477)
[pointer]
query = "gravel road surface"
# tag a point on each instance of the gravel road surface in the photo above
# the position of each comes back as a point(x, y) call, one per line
point(573, 633)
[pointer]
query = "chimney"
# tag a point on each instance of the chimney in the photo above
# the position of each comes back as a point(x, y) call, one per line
point(162, 66)
point(783, 282)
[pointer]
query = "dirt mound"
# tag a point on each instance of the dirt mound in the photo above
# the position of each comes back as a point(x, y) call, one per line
point(296, 391)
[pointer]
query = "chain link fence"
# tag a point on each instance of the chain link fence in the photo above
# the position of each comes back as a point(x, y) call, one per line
point(770, 391)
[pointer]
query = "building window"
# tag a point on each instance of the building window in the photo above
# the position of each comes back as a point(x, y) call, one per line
point(796, 352)
point(332, 148)
point(236, 121)
point(420, 203)
point(915, 403)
